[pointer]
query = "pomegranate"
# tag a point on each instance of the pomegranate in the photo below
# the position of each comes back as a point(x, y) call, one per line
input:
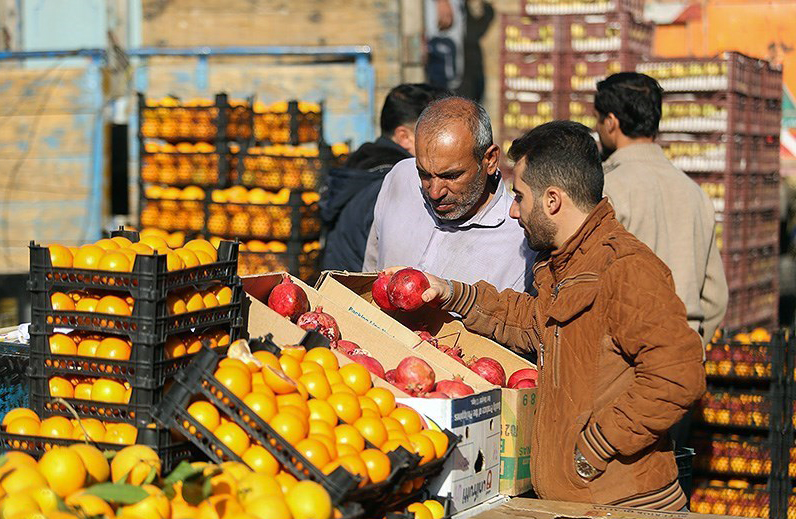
point(436, 394)
point(379, 291)
point(426, 336)
point(288, 299)
point(453, 352)
point(320, 322)
point(489, 369)
point(414, 376)
point(405, 289)
point(523, 383)
point(389, 376)
point(521, 374)
point(454, 388)
point(345, 347)
point(372, 365)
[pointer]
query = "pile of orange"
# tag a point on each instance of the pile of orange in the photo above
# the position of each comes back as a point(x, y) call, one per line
point(188, 343)
point(429, 509)
point(105, 390)
point(192, 300)
point(118, 254)
point(324, 410)
point(26, 422)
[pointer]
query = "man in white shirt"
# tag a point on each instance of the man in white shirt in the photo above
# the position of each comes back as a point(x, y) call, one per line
point(446, 211)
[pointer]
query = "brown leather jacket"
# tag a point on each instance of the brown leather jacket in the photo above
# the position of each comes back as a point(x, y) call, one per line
point(618, 364)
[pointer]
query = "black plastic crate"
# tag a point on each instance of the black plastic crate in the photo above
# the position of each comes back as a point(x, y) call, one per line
point(294, 124)
point(150, 280)
point(568, 7)
point(295, 220)
point(161, 165)
point(198, 379)
point(273, 169)
point(172, 120)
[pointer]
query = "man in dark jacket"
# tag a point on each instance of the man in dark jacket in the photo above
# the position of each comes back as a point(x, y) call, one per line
point(347, 204)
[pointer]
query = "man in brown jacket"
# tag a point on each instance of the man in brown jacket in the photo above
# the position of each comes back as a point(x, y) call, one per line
point(618, 362)
point(657, 202)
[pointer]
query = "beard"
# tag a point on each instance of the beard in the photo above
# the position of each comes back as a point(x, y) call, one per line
point(540, 231)
point(463, 203)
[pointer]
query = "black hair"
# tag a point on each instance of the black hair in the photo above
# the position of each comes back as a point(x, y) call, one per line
point(405, 103)
point(565, 155)
point(635, 99)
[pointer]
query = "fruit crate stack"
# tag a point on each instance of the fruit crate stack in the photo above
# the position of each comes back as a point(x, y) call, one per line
point(721, 124)
point(553, 55)
point(237, 170)
point(741, 427)
point(111, 325)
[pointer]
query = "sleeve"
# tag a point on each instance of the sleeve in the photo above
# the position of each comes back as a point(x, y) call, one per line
point(617, 196)
point(715, 293)
point(371, 262)
point(506, 317)
point(648, 324)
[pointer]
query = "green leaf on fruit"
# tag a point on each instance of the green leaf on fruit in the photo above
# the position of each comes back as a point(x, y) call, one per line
point(120, 493)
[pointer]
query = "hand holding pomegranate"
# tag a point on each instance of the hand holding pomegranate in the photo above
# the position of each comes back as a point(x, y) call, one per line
point(408, 289)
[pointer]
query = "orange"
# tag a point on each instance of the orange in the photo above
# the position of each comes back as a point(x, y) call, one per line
point(89, 428)
point(309, 500)
point(113, 305)
point(121, 241)
point(113, 348)
point(56, 427)
point(333, 377)
point(384, 399)
point(60, 256)
point(370, 413)
point(155, 506)
point(234, 379)
point(156, 242)
point(263, 405)
point(62, 302)
point(88, 347)
point(204, 246)
point(268, 507)
point(194, 302)
point(322, 427)
point(134, 464)
point(64, 470)
point(377, 463)
point(423, 446)
point(408, 418)
point(61, 344)
point(60, 387)
point(218, 507)
point(88, 257)
point(19, 412)
point(356, 466)
point(328, 442)
point(83, 391)
point(173, 260)
point(297, 352)
point(286, 481)
point(188, 258)
point(224, 295)
point(255, 485)
point(141, 248)
point(223, 483)
point(90, 505)
point(397, 434)
point(293, 399)
point(436, 508)
point(322, 411)
point(87, 304)
point(391, 445)
point(372, 430)
point(234, 363)
point(357, 377)
point(346, 406)
point(210, 300)
point(192, 345)
point(279, 383)
point(107, 244)
point(260, 460)
point(115, 261)
point(267, 359)
point(98, 470)
point(175, 305)
point(175, 347)
point(231, 435)
point(289, 426)
point(420, 511)
point(439, 439)
point(121, 434)
point(206, 414)
point(315, 451)
point(203, 257)
point(24, 425)
point(108, 391)
point(367, 404)
point(323, 356)
point(342, 388)
point(348, 435)
point(308, 366)
point(290, 366)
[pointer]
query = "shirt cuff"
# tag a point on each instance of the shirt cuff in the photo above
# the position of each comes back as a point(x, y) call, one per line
point(594, 447)
point(461, 300)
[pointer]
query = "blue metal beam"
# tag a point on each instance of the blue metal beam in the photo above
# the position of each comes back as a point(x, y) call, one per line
point(338, 51)
point(29, 54)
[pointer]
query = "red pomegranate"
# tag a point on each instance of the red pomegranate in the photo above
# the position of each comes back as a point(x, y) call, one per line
point(320, 322)
point(522, 374)
point(454, 388)
point(371, 364)
point(453, 352)
point(405, 289)
point(414, 376)
point(436, 394)
point(523, 383)
point(379, 291)
point(490, 369)
point(389, 376)
point(426, 336)
point(288, 299)
point(345, 347)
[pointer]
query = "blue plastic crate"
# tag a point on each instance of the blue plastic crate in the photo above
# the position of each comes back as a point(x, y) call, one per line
point(13, 374)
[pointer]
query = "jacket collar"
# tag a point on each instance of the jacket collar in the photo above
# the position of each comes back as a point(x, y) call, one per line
point(561, 257)
point(635, 152)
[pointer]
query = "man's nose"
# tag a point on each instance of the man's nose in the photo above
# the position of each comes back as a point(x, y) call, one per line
point(437, 189)
point(514, 210)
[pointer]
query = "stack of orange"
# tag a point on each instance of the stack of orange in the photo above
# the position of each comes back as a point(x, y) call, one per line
point(324, 410)
point(429, 509)
point(26, 422)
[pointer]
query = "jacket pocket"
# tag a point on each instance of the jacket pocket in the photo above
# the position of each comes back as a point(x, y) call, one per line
point(570, 441)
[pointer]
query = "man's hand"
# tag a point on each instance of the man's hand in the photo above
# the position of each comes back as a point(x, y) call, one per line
point(438, 292)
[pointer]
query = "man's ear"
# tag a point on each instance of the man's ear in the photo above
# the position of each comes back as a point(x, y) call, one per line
point(553, 200)
point(403, 136)
point(492, 159)
point(611, 122)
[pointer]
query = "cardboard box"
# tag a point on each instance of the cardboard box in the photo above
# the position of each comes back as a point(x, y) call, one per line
point(539, 509)
point(352, 291)
point(471, 475)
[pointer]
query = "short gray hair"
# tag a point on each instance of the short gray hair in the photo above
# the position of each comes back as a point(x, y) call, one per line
point(443, 111)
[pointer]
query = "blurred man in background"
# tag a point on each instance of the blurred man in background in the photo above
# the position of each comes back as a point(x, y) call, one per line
point(347, 204)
